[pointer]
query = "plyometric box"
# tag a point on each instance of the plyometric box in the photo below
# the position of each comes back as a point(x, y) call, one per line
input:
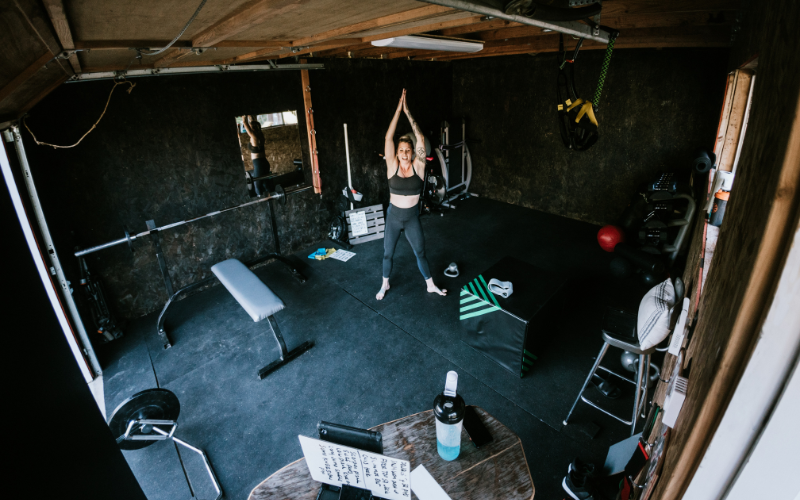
point(374, 221)
point(512, 331)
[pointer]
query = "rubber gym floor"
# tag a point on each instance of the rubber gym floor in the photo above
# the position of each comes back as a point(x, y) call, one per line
point(373, 361)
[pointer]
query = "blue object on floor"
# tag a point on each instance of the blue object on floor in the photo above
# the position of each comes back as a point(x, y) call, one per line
point(320, 251)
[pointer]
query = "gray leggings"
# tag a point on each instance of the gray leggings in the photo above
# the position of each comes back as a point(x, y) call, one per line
point(407, 219)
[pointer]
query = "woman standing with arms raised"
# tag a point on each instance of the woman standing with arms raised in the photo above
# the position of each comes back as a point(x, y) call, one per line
point(257, 152)
point(405, 174)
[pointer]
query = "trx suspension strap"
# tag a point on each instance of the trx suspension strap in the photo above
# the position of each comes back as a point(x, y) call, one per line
point(576, 118)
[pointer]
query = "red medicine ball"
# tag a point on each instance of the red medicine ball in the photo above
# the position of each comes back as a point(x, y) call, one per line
point(609, 236)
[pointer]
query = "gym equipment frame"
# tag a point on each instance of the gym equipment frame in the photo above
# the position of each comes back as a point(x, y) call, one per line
point(443, 152)
point(150, 416)
point(279, 194)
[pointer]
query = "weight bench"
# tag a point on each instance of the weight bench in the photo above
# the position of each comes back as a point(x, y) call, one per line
point(260, 303)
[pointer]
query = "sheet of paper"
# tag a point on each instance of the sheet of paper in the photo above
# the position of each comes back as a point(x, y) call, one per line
point(342, 255)
point(358, 223)
point(425, 486)
point(680, 329)
point(335, 464)
point(619, 454)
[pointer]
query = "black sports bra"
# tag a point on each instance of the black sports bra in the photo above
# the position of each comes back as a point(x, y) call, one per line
point(406, 186)
point(256, 149)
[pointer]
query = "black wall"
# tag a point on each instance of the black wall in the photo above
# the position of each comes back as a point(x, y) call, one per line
point(58, 438)
point(168, 150)
point(657, 107)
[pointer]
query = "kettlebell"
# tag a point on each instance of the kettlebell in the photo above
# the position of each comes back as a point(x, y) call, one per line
point(655, 373)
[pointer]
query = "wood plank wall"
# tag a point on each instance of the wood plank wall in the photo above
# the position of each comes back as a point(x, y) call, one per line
point(753, 243)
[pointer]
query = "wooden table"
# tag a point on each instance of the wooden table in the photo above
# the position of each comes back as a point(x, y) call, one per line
point(496, 471)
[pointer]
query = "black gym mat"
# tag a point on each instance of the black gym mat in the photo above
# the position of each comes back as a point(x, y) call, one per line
point(373, 361)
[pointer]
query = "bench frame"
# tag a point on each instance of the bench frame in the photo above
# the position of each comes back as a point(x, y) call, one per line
point(286, 355)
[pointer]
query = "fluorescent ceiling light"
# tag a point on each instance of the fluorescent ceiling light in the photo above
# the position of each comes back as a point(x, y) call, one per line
point(425, 43)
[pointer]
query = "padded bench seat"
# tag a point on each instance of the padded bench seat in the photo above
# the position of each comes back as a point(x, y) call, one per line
point(253, 295)
point(260, 303)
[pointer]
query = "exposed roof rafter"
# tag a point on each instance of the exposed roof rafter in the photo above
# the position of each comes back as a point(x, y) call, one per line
point(55, 9)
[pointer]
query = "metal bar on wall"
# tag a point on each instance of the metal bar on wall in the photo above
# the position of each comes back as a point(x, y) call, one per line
point(188, 70)
point(76, 324)
point(312, 133)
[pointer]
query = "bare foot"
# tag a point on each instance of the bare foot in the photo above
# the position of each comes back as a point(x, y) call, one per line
point(433, 288)
point(382, 292)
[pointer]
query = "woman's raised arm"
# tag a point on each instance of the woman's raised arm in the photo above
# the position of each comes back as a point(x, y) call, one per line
point(388, 144)
point(249, 129)
point(419, 161)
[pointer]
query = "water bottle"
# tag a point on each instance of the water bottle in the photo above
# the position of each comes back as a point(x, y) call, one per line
point(448, 408)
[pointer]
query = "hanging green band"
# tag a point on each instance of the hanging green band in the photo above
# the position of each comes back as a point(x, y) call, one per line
point(603, 72)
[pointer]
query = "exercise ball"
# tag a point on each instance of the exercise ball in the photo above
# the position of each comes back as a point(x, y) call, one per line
point(620, 268)
point(609, 236)
point(629, 360)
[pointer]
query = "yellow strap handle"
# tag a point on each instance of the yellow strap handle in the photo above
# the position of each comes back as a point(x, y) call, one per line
point(586, 109)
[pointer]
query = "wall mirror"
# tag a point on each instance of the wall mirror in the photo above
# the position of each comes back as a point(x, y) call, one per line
point(271, 154)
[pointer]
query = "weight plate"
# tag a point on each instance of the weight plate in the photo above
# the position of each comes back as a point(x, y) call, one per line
point(155, 404)
point(128, 237)
point(279, 190)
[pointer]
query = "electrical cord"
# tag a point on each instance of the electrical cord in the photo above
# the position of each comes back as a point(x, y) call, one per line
point(170, 44)
point(55, 146)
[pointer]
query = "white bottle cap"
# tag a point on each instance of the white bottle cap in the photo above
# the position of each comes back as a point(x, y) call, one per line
point(451, 384)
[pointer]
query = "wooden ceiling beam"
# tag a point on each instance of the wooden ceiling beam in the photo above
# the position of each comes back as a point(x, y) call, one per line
point(627, 14)
point(620, 8)
point(180, 44)
point(41, 95)
point(357, 41)
point(262, 54)
point(329, 39)
point(675, 19)
point(343, 50)
point(376, 52)
point(424, 29)
point(26, 74)
point(479, 26)
point(171, 56)
point(498, 51)
point(127, 44)
point(638, 21)
point(115, 67)
point(329, 44)
point(288, 51)
point(250, 14)
point(379, 22)
point(40, 23)
point(55, 9)
point(707, 36)
point(253, 43)
point(404, 53)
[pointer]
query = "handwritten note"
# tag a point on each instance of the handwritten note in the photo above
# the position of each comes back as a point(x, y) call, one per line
point(334, 464)
point(358, 223)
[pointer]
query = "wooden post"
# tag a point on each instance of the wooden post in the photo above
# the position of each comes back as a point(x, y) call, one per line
point(312, 133)
point(736, 103)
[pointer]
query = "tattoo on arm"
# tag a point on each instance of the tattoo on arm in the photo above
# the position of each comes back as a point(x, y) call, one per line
point(415, 128)
point(420, 153)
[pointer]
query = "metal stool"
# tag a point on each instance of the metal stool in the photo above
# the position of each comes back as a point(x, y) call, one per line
point(619, 330)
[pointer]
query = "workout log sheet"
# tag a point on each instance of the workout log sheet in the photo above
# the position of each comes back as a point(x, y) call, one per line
point(336, 465)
